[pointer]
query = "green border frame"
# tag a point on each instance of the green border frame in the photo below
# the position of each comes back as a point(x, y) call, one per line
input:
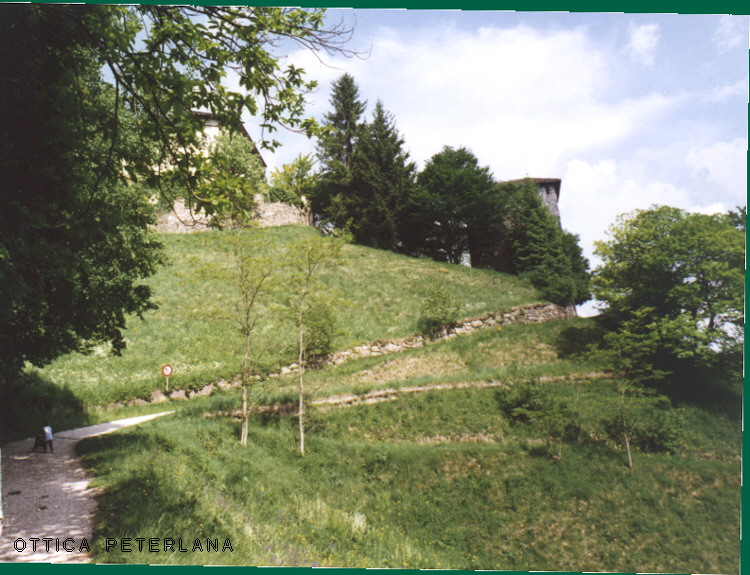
point(734, 7)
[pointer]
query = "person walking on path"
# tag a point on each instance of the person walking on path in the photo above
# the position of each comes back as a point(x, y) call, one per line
point(47, 432)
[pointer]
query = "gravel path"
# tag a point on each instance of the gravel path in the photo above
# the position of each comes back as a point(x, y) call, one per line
point(47, 496)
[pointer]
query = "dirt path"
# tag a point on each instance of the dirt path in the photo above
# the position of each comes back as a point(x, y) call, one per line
point(47, 496)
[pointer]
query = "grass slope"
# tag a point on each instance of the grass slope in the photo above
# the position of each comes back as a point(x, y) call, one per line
point(195, 329)
point(434, 480)
point(440, 479)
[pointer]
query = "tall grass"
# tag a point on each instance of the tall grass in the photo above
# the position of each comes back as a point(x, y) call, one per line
point(435, 480)
point(378, 296)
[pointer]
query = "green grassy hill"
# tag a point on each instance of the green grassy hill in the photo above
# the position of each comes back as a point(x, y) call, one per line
point(455, 478)
point(195, 329)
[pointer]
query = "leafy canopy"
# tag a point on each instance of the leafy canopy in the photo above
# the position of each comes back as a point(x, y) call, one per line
point(77, 155)
point(452, 195)
point(673, 284)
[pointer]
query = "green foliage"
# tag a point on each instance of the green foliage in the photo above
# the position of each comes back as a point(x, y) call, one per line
point(523, 402)
point(433, 480)
point(443, 215)
point(673, 283)
point(439, 312)
point(230, 178)
point(381, 181)
point(74, 241)
point(342, 128)
point(539, 250)
point(648, 421)
point(320, 327)
point(294, 183)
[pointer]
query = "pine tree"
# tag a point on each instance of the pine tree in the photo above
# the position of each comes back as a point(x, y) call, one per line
point(540, 250)
point(382, 179)
point(336, 147)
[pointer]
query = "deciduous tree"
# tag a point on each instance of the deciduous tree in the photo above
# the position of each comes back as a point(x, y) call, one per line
point(75, 152)
point(308, 309)
point(452, 197)
point(673, 286)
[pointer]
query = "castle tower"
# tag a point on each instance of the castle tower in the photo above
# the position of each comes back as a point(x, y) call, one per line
point(549, 193)
point(491, 251)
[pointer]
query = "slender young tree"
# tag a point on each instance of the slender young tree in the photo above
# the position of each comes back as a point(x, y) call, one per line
point(253, 274)
point(382, 180)
point(311, 316)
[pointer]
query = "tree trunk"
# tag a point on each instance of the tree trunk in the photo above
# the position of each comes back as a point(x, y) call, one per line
point(630, 456)
point(245, 416)
point(300, 372)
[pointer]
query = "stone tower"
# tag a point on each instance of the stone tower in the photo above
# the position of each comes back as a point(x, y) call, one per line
point(491, 252)
point(549, 193)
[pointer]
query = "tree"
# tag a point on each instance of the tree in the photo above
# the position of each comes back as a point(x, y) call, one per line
point(381, 180)
point(294, 183)
point(538, 249)
point(74, 239)
point(452, 197)
point(342, 128)
point(310, 312)
point(673, 286)
point(75, 152)
point(232, 175)
point(253, 274)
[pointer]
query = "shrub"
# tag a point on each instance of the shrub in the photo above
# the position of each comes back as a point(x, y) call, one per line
point(524, 402)
point(654, 429)
point(438, 313)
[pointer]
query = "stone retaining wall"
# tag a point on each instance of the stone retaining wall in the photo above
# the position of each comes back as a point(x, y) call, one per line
point(532, 313)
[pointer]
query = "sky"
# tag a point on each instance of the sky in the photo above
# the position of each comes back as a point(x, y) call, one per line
point(628, 110)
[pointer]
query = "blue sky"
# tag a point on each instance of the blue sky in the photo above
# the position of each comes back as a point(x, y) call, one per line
point(629, 110)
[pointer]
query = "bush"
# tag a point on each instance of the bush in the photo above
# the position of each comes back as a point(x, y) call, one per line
point(524, 402)
point(438, 313)
point(654, 430)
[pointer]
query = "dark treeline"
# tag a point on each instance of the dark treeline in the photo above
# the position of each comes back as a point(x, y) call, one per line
point(452, 211)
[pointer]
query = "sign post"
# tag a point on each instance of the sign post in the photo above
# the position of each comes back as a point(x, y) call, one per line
point(166, 371)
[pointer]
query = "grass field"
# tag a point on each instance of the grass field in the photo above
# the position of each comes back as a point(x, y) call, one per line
point(439, 479)
point(195, 328)
point(433, 480)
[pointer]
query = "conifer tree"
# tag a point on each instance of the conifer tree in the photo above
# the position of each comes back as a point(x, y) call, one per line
point(382, 179)
point(540, 250)
point(336, 146)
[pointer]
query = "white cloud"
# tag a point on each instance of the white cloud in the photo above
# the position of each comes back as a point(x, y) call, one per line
point(524, 100)
point(722, 163)
point(723, 93)
point(643, 42)
point(731, 33)
point(593, 195)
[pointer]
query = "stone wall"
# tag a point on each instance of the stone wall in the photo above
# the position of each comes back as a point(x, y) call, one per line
point(272, 214)
point(533, 313)
point(181, 220)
